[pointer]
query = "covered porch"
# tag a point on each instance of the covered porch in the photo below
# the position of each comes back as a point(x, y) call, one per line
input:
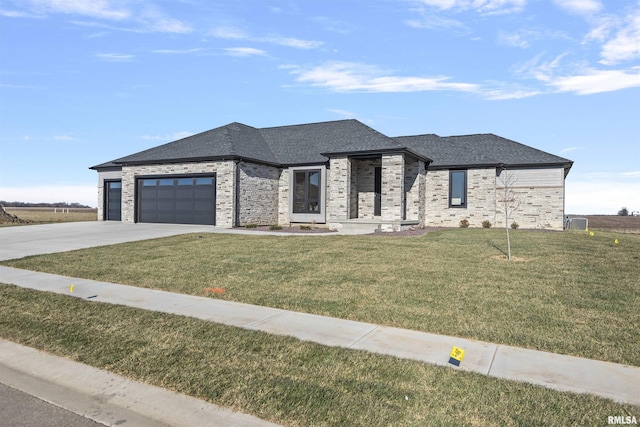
point(376, 191)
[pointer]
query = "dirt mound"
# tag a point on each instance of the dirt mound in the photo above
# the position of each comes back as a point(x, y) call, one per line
point(7, 218)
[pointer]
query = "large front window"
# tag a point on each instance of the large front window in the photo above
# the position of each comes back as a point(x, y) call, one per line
point(306, 191)
point(458, 189)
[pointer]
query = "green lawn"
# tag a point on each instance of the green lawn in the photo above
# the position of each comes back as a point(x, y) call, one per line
point(280, 378)
point(566, 292)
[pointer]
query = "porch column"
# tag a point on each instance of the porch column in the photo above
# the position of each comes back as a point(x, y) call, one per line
point(392, 200)
point(339, 191)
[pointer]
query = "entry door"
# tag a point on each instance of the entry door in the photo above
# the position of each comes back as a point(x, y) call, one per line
point(113, 202)
point(377, 189)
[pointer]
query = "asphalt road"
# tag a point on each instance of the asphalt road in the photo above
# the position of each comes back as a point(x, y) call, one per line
point(18, 409)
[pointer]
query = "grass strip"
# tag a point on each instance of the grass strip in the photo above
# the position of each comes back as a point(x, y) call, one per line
point(568, 293)
point(279, 378)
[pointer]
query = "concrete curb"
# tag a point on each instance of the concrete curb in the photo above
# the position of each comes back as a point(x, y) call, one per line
point(108, 398)
point(560, 372)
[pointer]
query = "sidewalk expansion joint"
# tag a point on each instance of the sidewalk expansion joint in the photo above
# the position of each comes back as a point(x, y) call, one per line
point(495, 351)
point(266, 319)
point(363, 336)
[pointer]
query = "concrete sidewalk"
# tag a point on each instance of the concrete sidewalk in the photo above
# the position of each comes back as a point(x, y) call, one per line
point(108, 398)
point(566, 373)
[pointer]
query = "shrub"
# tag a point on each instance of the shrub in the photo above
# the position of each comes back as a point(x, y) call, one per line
point(275, 227)
point(251, 226)
point(514, 225)
point(305, 227)
point(464, 223)
point(486, 224)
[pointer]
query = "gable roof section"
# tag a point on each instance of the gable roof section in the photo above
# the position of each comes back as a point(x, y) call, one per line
point(479, 150)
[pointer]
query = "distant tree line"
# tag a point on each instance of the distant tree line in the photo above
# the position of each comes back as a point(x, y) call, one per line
point(42, 205)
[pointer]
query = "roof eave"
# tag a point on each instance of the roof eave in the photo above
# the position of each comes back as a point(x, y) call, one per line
point(232, 157)
point(565, 165)
point(364, 153)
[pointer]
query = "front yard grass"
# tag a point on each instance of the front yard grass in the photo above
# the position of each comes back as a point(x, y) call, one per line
point(280, 378)
point(567, 293)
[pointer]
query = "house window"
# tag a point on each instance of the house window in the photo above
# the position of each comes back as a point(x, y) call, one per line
point(306, 191)
point(458, 189)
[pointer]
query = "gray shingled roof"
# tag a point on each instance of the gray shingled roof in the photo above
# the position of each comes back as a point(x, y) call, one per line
point(478, 150)
point(308, 143)
point(313, 143)
point(234, 140)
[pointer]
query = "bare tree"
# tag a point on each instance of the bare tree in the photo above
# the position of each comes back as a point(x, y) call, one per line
point(510, 199)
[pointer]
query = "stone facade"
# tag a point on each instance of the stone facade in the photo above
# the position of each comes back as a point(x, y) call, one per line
point(339, 189)
point(414, 189)
point(393, 197)
point(248, 193)
point(283, 198)
point(364, 181)
point(225, 186)
point(481, 199)
point(258, 194)
point(536, 208)
point(539, 207)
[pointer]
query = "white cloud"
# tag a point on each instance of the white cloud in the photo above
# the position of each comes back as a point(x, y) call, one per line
point(597, 81)
point(94, 8)
point(234, 33)
point(347, 77)
point(178, 51)
point(85, 194)
point(64, 137)
point(244, 51)
point(156, 21)
point(432, 22)
point(114, 57)
point(583, 7)
point(145, 16)
point(568, 150)
point(481, 6)
point(343, 113)
point(625, 45)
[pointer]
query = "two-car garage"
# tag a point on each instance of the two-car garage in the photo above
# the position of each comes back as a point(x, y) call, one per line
point(176, 199)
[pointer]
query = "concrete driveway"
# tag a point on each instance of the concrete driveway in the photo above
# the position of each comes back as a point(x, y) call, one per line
point(21, 241)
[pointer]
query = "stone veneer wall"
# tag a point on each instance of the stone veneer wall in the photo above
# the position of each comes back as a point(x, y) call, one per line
point(225, 185)
point(258, 196)
point(102, 176)
point(365, 185)
point(392, 204)
point(540, 207)
point(283, 198)
point(481, 199)
point(339, 189)
point(414, 189)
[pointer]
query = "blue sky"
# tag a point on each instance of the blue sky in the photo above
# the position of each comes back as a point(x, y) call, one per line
point(87, 81)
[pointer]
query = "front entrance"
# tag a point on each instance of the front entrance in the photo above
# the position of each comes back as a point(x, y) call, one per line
point(113, 200)
point(377, 189)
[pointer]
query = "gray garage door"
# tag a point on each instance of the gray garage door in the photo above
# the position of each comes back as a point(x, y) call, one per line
point(177, 200)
